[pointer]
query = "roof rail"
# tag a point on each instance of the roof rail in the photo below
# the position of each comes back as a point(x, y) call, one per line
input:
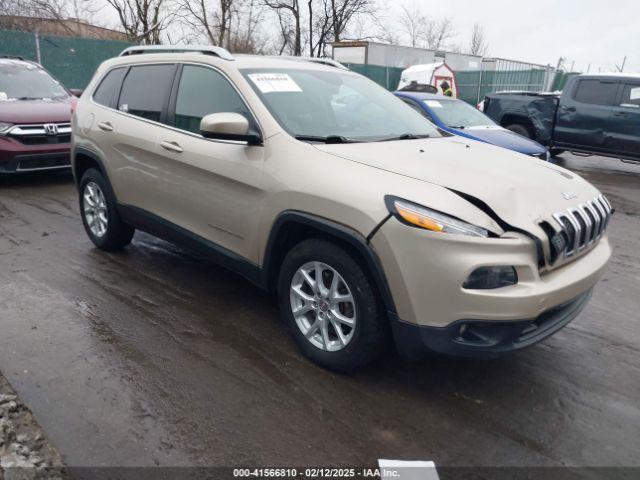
point(204, 49)
point(12, 57)
point(324, 61)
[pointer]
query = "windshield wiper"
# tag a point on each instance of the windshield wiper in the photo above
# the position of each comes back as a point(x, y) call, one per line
point(405, 136)
point(327, 139)
point(29, 98)
point(459, 127)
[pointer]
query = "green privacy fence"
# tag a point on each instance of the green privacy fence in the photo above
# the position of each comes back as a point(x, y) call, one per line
point(70, 60)
point(472, 85)
point(561, 80)
point(388, 77)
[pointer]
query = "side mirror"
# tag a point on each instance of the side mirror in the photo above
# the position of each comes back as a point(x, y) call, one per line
point(76, 92)
point(228, 126)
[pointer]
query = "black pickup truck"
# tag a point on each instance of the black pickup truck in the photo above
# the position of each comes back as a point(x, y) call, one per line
point(594, 115)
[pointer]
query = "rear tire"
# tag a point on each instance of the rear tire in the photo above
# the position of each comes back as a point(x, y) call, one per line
point(354, 309)
point(521, 130)
point(100, 215)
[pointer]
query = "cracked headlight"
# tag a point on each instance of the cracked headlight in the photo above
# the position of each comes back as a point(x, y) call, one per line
point(422, 217)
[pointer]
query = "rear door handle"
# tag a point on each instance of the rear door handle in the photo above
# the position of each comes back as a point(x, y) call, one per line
point(171, 146)
point(105, 127)
point(569, 109)
point(621, 114)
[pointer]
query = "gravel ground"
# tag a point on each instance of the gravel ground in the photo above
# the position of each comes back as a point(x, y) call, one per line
point(25, 452)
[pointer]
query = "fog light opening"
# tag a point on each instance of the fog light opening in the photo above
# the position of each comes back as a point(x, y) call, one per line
point(489, 278)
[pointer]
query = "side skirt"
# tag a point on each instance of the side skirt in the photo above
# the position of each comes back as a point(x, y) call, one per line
point(161, 228)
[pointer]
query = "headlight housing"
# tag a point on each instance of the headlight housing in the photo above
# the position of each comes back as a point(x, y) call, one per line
point(4, 126)
point(416, 215)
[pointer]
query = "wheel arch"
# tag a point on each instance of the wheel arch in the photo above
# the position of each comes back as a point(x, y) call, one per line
point(518, 119)
point(293, 227)
point(84, 159)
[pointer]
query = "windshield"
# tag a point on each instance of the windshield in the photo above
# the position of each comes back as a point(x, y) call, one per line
point(24, 81)
point(458, 114)
point(335, 106)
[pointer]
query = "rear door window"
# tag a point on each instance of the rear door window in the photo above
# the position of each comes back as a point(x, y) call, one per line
point(631, 96)
point(203, 91)
point(146, 90)
point(107, 92)
point(596, 92)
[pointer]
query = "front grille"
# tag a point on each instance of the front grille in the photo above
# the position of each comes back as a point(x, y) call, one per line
point(43, 162)
point(44, 139)
point(583, 225)
point(41, 134)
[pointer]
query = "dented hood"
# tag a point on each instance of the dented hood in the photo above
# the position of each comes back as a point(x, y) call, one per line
point(522, 190)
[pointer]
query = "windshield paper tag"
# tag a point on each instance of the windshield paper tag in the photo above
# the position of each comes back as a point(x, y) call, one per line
point(3, 97)
point(433, 103)
point(274, 82)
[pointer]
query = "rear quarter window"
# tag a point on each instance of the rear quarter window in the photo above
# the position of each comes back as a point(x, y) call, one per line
point(107, 92)
point(631, 96)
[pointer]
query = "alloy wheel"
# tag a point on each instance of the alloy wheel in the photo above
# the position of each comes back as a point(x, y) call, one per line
point(95, 209)
point(323, 306)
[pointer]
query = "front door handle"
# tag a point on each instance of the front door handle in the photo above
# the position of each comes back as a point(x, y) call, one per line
point(569, 109)
point(621, 114)
point(105, 127)
point(171, 146)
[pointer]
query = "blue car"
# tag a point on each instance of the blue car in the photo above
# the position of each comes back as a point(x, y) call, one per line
point(460, 118)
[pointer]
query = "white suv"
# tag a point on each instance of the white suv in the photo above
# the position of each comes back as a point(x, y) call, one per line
point(315, 183)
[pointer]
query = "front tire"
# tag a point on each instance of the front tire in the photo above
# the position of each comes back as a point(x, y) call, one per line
point(337, 321)
point(100, 216)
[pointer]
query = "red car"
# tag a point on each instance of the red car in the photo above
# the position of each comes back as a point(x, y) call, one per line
point(35, 114)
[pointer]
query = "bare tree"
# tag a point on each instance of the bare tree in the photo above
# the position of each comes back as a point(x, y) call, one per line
point(438, 34)
point(49, 9)
point(143, 20)
point(330, 20)
point(289, 18)
point(344, 11)
point(246, 34)
point(214, 17)
point(478, 44)
point(33, 12)
point(423, 31)
point(413, 23)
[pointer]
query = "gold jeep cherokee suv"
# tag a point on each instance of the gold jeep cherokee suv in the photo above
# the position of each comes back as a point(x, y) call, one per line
point(315, 183)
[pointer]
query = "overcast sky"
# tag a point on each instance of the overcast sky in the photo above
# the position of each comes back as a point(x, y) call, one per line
point(596, 32)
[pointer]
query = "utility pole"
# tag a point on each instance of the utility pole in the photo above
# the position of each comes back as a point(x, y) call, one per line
point(621, 69)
